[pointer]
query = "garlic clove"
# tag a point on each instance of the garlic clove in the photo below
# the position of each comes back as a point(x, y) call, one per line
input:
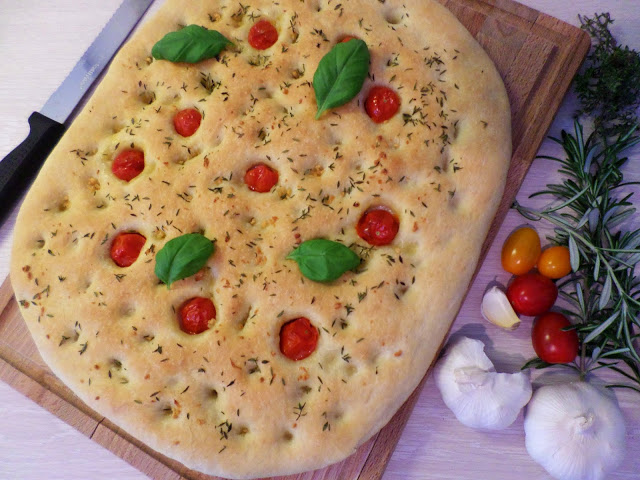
point(472, 389)
point(575, 431)
point(496, 309)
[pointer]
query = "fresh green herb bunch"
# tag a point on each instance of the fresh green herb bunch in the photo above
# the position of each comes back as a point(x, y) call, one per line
point(609, 86)
point(588, 214)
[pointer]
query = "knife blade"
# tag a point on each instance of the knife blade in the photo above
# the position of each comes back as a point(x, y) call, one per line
point(47, 126)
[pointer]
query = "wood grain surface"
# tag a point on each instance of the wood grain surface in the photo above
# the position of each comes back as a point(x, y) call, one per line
point(537, 56)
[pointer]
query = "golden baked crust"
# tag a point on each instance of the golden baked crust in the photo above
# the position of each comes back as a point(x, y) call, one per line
point(226, 401)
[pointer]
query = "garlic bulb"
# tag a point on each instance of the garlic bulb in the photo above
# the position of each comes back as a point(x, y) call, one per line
point(575, 431)
point(497, 309)
point(478, 395)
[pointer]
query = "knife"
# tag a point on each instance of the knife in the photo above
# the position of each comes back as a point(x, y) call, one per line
point(47, 126)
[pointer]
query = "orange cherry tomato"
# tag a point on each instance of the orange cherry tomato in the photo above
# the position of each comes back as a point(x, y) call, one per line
point(187, 121)
point(262, 35)
point(195, 315)
point(381, 104)
point(298, 339)
point(521, 251)
point(261, 178)
point(555, 262)
point(128, 164)
point(126, 248)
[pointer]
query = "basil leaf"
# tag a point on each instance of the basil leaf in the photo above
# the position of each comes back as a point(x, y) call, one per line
point(340, 74)
point(191, 44)
point(182, 256)
point(323, 260)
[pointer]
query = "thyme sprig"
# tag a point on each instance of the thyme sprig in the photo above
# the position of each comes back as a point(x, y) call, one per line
point(609, 85)
point(588, 212)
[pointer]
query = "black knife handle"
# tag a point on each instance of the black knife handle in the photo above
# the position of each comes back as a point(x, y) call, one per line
point(21, 165)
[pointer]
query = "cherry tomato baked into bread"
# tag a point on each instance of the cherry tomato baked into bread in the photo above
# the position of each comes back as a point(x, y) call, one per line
point(235, 362)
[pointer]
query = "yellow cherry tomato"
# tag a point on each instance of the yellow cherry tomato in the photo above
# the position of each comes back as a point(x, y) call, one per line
point(555, 262)
point(521, 251)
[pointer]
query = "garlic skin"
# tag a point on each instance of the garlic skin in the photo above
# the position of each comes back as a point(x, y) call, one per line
point(575, 431)
point(496, 309)
point(478, 395)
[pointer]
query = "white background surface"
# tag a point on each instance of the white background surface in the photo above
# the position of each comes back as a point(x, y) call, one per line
point(40, 41)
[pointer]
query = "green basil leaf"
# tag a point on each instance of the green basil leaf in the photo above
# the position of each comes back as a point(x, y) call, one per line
point(191, 44)
point(323, 260)
point(340, 74)
point(182, 256)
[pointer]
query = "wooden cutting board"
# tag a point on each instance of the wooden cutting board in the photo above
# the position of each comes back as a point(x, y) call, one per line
point(537, 56)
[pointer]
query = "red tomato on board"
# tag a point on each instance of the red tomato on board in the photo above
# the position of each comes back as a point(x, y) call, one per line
point(260, 178)
point(126, 248)
point(128, 164)
point(532, 294)
point(378, 226)
point(298, 339)
point(262, 35)
point(550, 342)
point(195, 315)
point(381, 104)
point(187, 121)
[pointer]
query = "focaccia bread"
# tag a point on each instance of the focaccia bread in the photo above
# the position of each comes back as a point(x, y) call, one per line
point(227, 401)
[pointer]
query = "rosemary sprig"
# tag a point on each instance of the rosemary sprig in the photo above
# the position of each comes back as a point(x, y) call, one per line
point(588, 211)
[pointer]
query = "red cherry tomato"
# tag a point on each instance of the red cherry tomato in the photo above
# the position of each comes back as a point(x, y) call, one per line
point(382, 103)
point(298, 339)
point(378, 226)
point(128, 164)
point(532, 294)
point(261, 178)
point(187, 121)
point(195, 315)
point(347, 38)
point(521, 251)
point(262, 35)
point(550, 342)
point(126, 248)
